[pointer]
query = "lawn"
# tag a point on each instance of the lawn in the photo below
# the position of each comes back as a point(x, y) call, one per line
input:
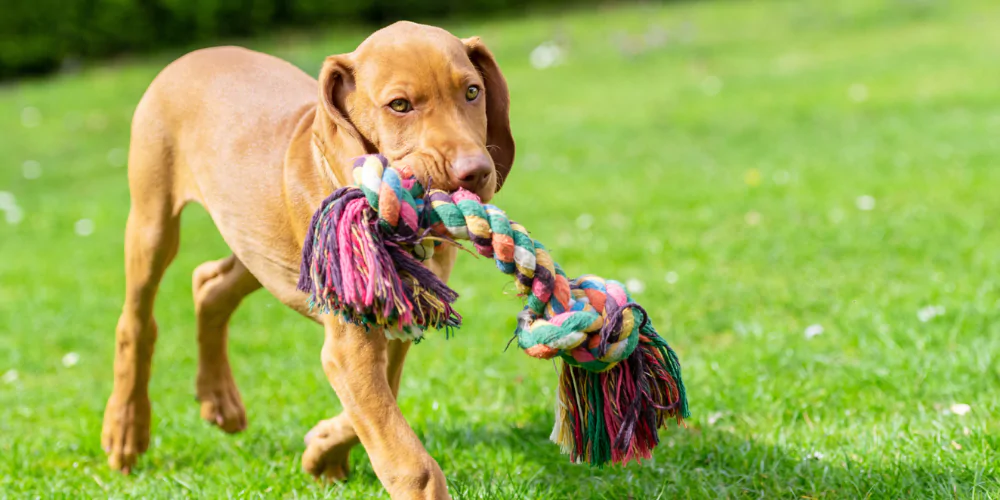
point(803, 195)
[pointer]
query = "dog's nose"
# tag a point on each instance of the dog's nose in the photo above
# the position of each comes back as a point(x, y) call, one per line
point(471, 172)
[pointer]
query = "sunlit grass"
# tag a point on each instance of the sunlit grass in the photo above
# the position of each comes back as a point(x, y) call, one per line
point(758, 168)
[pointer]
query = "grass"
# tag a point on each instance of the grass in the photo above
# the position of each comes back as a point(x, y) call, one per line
point(723, 170)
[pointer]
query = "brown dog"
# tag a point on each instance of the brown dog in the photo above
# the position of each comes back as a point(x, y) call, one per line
point(249, 137)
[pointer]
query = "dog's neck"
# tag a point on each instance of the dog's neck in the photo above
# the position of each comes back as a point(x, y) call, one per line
point(333, 148)
point(339, 142)
point(325, 164)
point(314, 167)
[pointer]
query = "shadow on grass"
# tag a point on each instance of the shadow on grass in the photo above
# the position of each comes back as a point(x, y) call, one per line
point(493, 461)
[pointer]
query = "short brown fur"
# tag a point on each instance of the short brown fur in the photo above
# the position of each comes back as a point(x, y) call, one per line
point(259, 144)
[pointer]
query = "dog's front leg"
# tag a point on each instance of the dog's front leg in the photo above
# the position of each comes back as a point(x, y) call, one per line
point(329, 443)
point(355, 362)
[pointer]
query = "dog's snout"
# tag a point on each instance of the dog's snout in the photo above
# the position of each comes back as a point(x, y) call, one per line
point(471, 172)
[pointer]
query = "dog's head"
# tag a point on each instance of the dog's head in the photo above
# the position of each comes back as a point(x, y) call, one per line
point(425, 99)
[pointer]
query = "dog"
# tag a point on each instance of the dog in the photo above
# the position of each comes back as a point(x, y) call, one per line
point(260, 144)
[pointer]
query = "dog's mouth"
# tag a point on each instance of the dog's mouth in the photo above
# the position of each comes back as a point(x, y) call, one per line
point(436, 174)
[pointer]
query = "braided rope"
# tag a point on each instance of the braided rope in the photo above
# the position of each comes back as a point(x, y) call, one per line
point(373, 277)
point(563, 317)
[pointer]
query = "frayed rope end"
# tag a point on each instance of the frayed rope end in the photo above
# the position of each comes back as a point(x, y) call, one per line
point(349, 267)
point(613, 416)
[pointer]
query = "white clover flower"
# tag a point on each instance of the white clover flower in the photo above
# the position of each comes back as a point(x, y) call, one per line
point(813, 331)
point(70, 359)
point(31, 169)
point(84, 227)
point(31, 117)
point(865, 203)
point(546, 55)
point(959, 408)
point(925, 314)
point(635, 285)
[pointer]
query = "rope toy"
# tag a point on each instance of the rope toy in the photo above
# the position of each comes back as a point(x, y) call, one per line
point(362, 258)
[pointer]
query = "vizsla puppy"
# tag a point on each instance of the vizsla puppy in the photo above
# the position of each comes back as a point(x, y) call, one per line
point(259, 144)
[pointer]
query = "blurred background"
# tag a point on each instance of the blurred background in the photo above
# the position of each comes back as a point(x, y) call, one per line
point(41, 36)
point(802, 195)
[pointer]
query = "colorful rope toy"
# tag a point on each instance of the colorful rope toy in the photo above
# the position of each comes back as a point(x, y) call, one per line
point(361, 259)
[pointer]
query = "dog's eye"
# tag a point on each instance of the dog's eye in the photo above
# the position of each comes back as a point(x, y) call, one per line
point(400, 105)
point(472, 93)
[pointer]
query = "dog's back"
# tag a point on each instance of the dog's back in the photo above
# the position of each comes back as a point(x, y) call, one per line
point(222, 115)
point(213, 128)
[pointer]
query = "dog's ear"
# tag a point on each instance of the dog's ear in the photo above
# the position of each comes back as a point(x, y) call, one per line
point(499, 141)
point(341, 140)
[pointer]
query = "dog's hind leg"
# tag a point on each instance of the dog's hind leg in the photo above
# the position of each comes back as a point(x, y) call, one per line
point(329, 443)
point(218, 288)
point(151, 240)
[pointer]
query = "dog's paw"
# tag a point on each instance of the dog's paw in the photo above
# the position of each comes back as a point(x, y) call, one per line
point(221, 405)
point(328, 448)
point(125, 434)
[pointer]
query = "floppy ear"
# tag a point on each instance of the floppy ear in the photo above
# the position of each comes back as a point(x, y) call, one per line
point(341, 140)
point(499, 141)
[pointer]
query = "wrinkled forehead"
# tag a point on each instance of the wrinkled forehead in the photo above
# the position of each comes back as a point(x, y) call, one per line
point(411, 52)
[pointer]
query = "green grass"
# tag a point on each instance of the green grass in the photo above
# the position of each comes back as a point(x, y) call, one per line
point(733, 156)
